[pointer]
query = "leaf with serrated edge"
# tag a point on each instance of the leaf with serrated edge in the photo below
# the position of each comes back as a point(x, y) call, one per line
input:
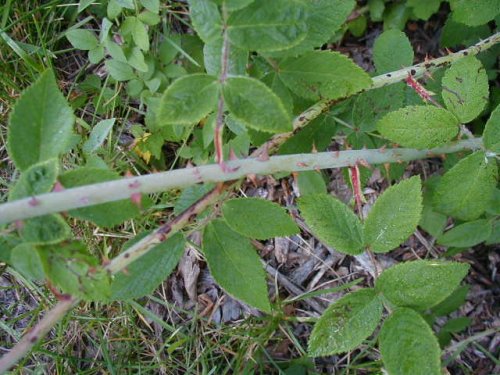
point(419, 126)
point(333, 223)
point(468, 234)
point(258, 218)
point(235, 265)
point(394, 216)
point(465, 191)
point(268, 25)
point(188, 99)
point(465, 88)
point(346, 323)
point(150, 270)
point(49, 229)
point(474, 12)
point(491, 135)
point(37, 179)
point(256, 105)
point(41, 123)
point(408, 345)
point(323, 75)
point(420, 284)
point(391, 51)
point(206, 19)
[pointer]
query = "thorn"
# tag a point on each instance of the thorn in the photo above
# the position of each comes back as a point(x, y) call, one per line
point(136, 199)
point(314, 149)
point(227, 169)
point(383, 149)
point(264, 155)
point(134, 185)
point(232, 155)
point(128, 174)
point(19, 224)
point(301, 164)
point(57, 187)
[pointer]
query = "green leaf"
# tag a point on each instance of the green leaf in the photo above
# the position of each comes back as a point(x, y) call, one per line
point(140, 35)
point(491, 135)
point(465, 191)
point(258, 218)
point(206, 19)
point(311, 182)
point(119, 70)
point(84, 4)
point(237, 59)
point(467, 234)
point(49, 229)
point(151, 5)
point(147, 272)
point(392, 50)
point(424, 9)
point(232, 5)
point(474, 12)
point(235, 265)
point(253, 103)
point(128, 4)
point(7, 243)
point(190, 195)
point(41, 124)
point(82, 39)
point(188, 99)
point(98, 135)
point(96, 55)
point(135, 59)
point(394, 216)
point(37, 179)
point(420, 284)
point(268, 26)
point(323, 75)
point(103, 215)
point(26, 260)
point(456, 324)
point(332, 222)
point(113, 9)
point(408, 345)
point(71, 268)
point(452, 302)
point(465, 88)
point(169, 49)
point(419, 126)
point(494, 238)
point(346, 323)
point(454, 34)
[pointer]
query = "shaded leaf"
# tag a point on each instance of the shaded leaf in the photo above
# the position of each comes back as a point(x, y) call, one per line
point(491, 135)
point(392, 50)
point(258, 218)
point(49, 229)
point(394, 216)
point(408, 345)
point(452, 302)
point(468, 234)
point(37, 179)
point(332, 222)
point(311, 183)
point(206, 19)
point(421, 284)
point(346, 323)
point(235, 265)
point(26, 260)
point(41, 124)
point(474, 12)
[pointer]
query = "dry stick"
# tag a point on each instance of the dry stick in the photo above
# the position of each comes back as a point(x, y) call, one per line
point(58, 311)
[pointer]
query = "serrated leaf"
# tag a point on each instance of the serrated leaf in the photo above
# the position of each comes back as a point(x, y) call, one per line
point(258, 218)
point(464, 192)
point(237, 58)
point(256, 105)
point(311, 183)
point(474, 12)
point(71, 268)
point(420, 284)
point(235, 265)
point(146, 273)
point(82, 39)
point(491, 135)
point(392, 50)
point(119, 70)
point(26, 260)
point(419, 126)
point(268, 26)
point(323, 75)
point(188, 99)
point(454, 34)
point(333, 223)
point(467, 234)
point(98, 135)
point(408, 345)
point(49, 229)
point(346, 323)
point(394, 216)
point(206, 19)
point(103, 215)
point(37, 179)
point(465, 88)
point(41, 124)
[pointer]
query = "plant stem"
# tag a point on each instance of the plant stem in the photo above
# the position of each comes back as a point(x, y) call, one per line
point(180, 178)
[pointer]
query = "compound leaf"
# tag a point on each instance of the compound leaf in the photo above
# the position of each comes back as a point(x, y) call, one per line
point(465, 88)
point(268, 25)
point(323, 75)
point(419, 126)
point(420, 284)
point(41, 123)
point(256, 105)
point(394, 216)
point(408, 345)
point(188, 99)
point(147, 272)
point(392, 51)
point(346, 323)
point(235, 265)
point(37, 179)
point(258, 218)
point(465, 191)
point(332, 222)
